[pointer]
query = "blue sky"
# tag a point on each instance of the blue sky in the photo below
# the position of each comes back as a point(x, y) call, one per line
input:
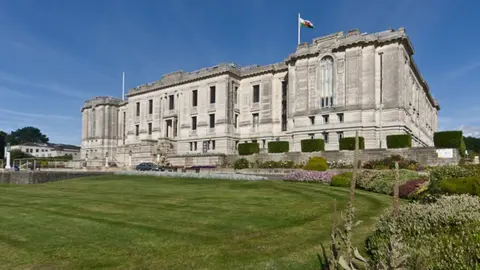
point(56, 54)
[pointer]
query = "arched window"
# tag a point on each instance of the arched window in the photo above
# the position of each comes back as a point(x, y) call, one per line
point(326, 82)
point(94, 122)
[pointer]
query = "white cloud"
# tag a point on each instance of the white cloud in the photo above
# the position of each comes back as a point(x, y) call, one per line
point(473, 131)
point(36, 115)
point(463, 70)
point(7, 92)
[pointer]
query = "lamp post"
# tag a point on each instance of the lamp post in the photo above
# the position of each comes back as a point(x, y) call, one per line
point(106, 160)
point(86, 160)
point(130, 158)
point(8, 147)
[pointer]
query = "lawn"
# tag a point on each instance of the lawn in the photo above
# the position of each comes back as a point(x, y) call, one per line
point(141, 222)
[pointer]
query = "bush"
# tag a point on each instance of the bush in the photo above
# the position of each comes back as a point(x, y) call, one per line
point(473, 168)
point(399, 141)
point(389, 163)
point(277, 164)
point(316, 164)
point(348, 143)
point(278, 147)
point(241, 164)
point(312, 145)
point(448, 139)
point(342, 180)
point(193, 175)
point(339, 164)
point(245, 149)
point(310, 176)
point(412, 188)
point(382, 181)
point(438, 174)
point(465, 185)
point(440, 235)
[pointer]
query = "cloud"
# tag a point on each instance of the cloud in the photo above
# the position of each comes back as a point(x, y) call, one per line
point(35, 115)
point(472, 131)
point(9, 92)
point(463, 70)
point(49, 86)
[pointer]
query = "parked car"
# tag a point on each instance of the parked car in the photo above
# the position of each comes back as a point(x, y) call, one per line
point(147, 166)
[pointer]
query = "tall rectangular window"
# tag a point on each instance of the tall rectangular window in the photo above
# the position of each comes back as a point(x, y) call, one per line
point(212, 94)
point(256, 93)
point(284, 89)
point(312, 120)
point(194, 123)
point(171, 102)
point(150, 106)
point(325, 119)
point(137, 130)
point(191, 146)
point(194, 98)
point(255, 119)
point(235, 123)
point(325, 137)
point(195, 146)
point(213, 145)
point(340, 135)
point(340, 117)
point(149, 128)
point(138, 108)
point(235, 95)
point(212, 120)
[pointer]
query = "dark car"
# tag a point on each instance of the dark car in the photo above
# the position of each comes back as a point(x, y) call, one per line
point(147, 166)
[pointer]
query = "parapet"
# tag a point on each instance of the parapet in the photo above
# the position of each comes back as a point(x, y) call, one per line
point(102, 100)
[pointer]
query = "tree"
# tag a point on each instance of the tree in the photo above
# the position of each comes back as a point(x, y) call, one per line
point(3, 134)
point(473, 144)
point(17, 154)
point(26, 135)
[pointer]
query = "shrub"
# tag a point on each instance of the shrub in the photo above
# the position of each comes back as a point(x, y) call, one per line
point(241, 164)
point(473, 168)
point(200, 175)
point(339, 164)
point(465, 185)
point(277, 164)
point(316, 164)
point(278, 147)
point(382, 181)
point(310, 176)
point(312, 145)
point(448, 139)
point(348, 143)
point(440, 173)
point(440, 235)
point(411, 188)
point(342, 180)
point(389, 163)
point(245, 149)
point(399, 141)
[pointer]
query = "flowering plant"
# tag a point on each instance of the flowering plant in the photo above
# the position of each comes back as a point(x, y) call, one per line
point(310, 176)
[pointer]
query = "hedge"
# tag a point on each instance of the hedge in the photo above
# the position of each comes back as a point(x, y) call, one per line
point(316, 164)
point(464, 185)
point(312, 145)
point(348, 143)
point(278, 147)
point(448, 139)
point(245, 149)
point(399, 141)
point(342, 180)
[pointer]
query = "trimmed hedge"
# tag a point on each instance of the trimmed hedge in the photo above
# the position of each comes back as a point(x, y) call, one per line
point(399, 141)
point(312, 145)
point(448, 139)
point(465, 185)
point(316, 164)
point(241, 164)
point(245, 149)
point(278, 147)
point(342, 180)
point(348, 143)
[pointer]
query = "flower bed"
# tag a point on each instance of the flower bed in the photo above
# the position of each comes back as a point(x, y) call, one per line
point(199, 175)
point(310, 176)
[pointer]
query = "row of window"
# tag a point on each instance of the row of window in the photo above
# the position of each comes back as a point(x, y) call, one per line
point(30, 150)
point(207, 145)
point(326, 118)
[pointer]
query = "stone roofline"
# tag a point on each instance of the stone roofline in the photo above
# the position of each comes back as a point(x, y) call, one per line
point(103, 100)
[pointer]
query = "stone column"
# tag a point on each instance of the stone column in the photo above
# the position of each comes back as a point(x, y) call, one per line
point(7, 157)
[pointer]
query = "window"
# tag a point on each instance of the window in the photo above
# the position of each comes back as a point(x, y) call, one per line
point(191, 146)
point(171, 102)
point(212, 120)
point(312, 120)
point(235, 95)
point(325, 119)
point(149, 128)
point(340, 135)
point(325, 137)
point(36, 150)
point(194, 123)
point(263, 143)
point(326, 81)
point(138, 109)
point(255, 120)
point(137, 130)
point(340, 117)
point(311, 135)
point(256, 93)
point(194, 98)
point(284, 123)
point(212, 94)
point(235, 123)
point(284, 90)
point(195, 146)
point(213, 145)
point(150, 106)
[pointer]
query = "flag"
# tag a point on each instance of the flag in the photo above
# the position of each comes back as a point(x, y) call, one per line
point(306, 23)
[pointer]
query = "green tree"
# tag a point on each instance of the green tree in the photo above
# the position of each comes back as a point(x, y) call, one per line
point(26, 135)
point(17, 154)
point(473, 144)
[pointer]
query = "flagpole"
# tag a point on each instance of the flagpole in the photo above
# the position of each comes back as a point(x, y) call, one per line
point(123, 85)
point(298, 23)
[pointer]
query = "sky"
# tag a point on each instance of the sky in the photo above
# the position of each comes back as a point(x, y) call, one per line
point(55, 54)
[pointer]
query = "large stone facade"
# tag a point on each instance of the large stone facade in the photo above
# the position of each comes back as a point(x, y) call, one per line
point(338, 84)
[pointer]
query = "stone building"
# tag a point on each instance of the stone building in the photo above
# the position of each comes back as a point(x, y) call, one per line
point(330, 88)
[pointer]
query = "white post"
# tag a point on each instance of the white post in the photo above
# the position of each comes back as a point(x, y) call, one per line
point(106, 161)
point(158, 158)
point(130, 161)
point(298, 22)
point(7, 154)
point(123, 85)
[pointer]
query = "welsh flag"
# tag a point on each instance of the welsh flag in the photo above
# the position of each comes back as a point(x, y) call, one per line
point(306, 23)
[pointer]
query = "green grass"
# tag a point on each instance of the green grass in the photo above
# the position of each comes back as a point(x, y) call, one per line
point(124, 222)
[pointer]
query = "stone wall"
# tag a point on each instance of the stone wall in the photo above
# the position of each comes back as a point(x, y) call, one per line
point(35, 177)
point(426, 156)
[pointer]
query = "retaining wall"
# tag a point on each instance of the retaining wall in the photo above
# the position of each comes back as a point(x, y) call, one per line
point(38, 177)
